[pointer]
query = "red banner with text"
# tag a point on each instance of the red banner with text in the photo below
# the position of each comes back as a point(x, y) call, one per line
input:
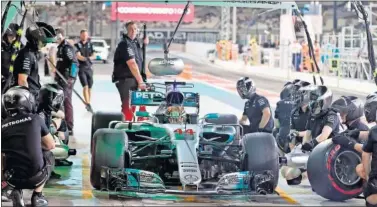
point(126, 11)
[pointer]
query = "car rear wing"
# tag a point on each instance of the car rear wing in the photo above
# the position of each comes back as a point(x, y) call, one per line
point(155, 98)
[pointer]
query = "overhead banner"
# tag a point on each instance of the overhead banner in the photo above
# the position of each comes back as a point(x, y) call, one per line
point(126, 11)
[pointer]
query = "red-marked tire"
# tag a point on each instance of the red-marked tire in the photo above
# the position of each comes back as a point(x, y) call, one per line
point(332, 172)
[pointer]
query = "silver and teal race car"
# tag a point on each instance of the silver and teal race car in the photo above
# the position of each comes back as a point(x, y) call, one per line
point(178, 153)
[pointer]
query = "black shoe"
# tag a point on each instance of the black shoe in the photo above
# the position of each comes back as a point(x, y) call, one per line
point(70, 132)
point(89, 108)
point(55, 175)
point(17, 198)
point(38, 200)
point(295, 181)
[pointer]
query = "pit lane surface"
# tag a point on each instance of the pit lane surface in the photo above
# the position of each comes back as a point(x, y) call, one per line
point(217, 95)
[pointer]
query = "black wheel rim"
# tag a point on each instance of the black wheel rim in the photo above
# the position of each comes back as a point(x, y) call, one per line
point(345, 168)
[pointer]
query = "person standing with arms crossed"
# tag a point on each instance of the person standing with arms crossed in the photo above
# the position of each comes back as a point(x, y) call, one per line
point(85, 55)
point(127, 74)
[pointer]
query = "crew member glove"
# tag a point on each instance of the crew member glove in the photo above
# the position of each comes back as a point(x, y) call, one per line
point(309, 145)
point(353, 133)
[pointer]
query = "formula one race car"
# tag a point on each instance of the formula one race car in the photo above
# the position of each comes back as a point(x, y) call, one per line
point(164, 153)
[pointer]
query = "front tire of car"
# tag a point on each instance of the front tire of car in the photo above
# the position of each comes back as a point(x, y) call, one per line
point(104, 61)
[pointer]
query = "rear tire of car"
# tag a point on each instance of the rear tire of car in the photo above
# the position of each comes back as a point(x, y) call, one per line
point(109, 147)
point(260, 154)
point(101, 120)
point(104, 61)
point(324, 169)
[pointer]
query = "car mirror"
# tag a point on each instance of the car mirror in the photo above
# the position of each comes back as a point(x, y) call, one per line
point(212, 116)
point(169, 66)
point(108, 47)
point(142, 114)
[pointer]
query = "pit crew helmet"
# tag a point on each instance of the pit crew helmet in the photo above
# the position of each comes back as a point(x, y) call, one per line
point(51, 97)
point(320, 99)
point(301, 95)
point(351, 106)
point(287, 92)
point(246, 88)
point(18, 99)
point(370, 107)
point(40, 34)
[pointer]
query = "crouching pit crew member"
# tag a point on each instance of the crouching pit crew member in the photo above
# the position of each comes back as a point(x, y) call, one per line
point(26, 142)
point(368, 169)
point(127, 74)
point(67, 66)
point(324, 122)
point(358, 132)
point(26, 64)
point(351, 111)
point(257, 108)
point(299, 119)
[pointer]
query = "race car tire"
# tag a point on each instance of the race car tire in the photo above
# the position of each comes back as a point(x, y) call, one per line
point(260, 154)
point(109, 146)
point(325, 166)
point(102, 119)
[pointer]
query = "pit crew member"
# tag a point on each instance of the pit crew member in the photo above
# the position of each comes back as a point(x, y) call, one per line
point(127, 74)
point(324, 122)
point(24, 136)
point(257, 108)
point(7, 49)
point(26, 64)
point(67, 66)
point(351, 110)
point(368, 169)
point(84, 55)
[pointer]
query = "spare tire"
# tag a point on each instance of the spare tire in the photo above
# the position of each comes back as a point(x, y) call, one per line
point(332, 172)
point(102, 120)
point(109, 146)
point(260, 154)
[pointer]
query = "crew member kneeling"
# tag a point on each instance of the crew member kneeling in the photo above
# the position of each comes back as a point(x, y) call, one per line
point(324, 122)
point(24, 136)
point(257, 108)
point(127, 69)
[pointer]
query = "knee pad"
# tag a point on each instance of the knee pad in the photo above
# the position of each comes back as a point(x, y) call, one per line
point(370, 187)
point(29, 183)
point(290, 173)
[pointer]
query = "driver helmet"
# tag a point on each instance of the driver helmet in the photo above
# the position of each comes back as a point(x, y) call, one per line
point(246, 88)
point(349, 106)
point(370, 108)
point(51, 97)
point(320, 99)
point(175, 114)
point(18, 99)
point(40, 34)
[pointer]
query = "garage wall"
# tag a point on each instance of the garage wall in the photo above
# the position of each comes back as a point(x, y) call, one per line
point(199, 48)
